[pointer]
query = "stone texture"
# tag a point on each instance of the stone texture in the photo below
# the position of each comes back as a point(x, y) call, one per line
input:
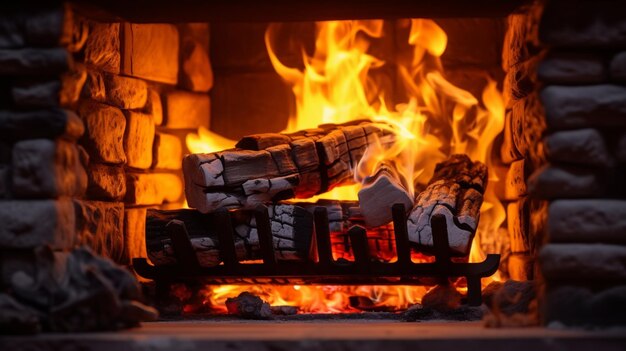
point(587, 221)
point(152, 188)
point(47, 168)
point(552, 182)
point(618, 67)
point(52, 123)
point(36, 94)
point(105, 126)
point(582, 146)
point(99, 225)
point(33, 62)
point(575, 305)
point(134, 233)
point(521, 37)
point(154, 106)
point(187, 110)
point(72, 83)
point(588, 24)
point(517, 214)
point(151, 52)
point(267, 108)
point(520, 80)
point(168, 152)
point(119, 91)
point(106, 182)
point(524, 128)
point(102, 49)
point(195, 63)
point(138, 139)
point(32, 223)
point(584, 106)
point(515, 181)
point(521, 266)
point(588, 263)
point(572, 68)
point(31, 28)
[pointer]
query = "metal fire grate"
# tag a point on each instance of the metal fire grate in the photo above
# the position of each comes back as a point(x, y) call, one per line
point(362, 271)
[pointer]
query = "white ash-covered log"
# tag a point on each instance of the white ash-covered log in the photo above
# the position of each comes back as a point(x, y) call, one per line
point(291, 228)
point(386, 187)
point(270, 167)
point(456, 192)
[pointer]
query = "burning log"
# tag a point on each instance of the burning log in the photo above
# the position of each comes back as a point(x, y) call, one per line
point(381, 191)
point(456, 192)
point(291, 228)
point(271, 167)
point(248, 306)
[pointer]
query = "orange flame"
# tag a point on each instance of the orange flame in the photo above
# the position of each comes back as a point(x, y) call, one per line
point(436, 120)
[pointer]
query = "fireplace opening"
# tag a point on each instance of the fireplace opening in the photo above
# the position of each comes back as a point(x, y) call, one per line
point(411, 163)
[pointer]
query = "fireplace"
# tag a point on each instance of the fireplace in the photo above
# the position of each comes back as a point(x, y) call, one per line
point(417, 165)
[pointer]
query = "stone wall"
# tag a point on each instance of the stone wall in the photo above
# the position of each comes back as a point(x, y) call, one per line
point(47, 154)
point(582, 88)
point(145, 87)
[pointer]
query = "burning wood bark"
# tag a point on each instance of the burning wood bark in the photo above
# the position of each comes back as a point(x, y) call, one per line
point(456, 192)
point(271, 167)
point(291, 227)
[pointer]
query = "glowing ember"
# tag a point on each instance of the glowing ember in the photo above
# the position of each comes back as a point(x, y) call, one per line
point(436, 120)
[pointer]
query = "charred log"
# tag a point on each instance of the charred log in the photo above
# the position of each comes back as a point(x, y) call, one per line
point(456, 192)
point(270, 167)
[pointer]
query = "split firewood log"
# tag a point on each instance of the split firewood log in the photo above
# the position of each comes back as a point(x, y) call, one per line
point(291, 227)
point(455, 191)
point(270, 167)
point(382, 190)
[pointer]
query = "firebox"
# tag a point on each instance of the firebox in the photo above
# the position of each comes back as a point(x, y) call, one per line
point(294, 161)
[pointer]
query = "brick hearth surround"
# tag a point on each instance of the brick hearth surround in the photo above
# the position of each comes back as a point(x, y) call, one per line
point(89, 111)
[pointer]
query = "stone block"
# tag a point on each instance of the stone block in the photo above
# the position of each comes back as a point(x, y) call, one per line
point(33, 62)
point(554, 182)
point(587, 221)
point(106, 182)
point(103, 47)
point(152, 188)
point(47, 168)
point(100, 225)
point(521, 37)
point(154, 107)
point(582, 147)
point(32, 223)
point(618, 67)
point(138, 139)
point(567, 304)
point(521, 266)
point(119, 91)
point(72, 83)
point(187, 110)
point(105, 126)
point(31, 28)
point(520, 80)
point(36, 94)
point(518, 225)
point(588, 24)
point(49, 123)
point(572, 68)
point(524, 128)
point(195, 62)
point(515, 181)
point(588, 263)
point(168, 152)
point(267, 108)
point(134, 233)
point(569, 107)
point(508, 149)
point(5, 181)
point(151, 52)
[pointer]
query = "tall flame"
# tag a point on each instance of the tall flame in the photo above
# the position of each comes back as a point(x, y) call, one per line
point(437, 119)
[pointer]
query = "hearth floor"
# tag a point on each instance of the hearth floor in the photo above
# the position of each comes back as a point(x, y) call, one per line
point(361, 335)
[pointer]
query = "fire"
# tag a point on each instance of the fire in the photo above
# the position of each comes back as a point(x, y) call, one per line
point(435, 120)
